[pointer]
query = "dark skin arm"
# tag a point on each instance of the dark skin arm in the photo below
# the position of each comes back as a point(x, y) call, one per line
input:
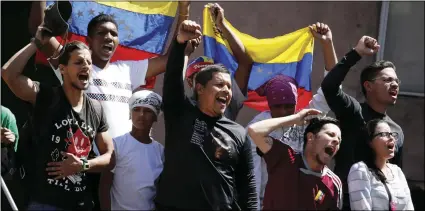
point(238, 49)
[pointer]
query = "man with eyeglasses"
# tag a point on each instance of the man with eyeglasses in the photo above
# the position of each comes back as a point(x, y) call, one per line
point(380, 86)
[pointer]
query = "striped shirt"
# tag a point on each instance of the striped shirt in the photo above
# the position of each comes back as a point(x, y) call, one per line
point(113, 87)
point(367, 192)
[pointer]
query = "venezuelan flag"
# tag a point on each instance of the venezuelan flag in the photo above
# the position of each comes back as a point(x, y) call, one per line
point(143, 27)
point(290, 54)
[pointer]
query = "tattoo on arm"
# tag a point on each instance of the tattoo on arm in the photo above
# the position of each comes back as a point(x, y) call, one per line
point(269, 141)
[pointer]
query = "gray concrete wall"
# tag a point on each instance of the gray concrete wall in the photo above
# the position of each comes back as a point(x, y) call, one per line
point(348, 21)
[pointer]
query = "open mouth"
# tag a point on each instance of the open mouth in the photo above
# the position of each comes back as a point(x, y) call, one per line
point(391, 146)
point(83, 77)
point(221, 100)
point(107, 48)
point(393, 93)
point(330, 150)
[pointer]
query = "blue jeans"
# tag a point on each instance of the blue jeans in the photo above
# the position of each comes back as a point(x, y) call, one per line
point(33, 205)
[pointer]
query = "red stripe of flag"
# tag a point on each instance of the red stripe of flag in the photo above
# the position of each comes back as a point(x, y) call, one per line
point(259, 103)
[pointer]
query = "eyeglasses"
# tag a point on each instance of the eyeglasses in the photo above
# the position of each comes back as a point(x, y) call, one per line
point(388, 80)
point(386, 134)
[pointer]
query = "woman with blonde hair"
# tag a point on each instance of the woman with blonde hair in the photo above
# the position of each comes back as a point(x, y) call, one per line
point(374, 183)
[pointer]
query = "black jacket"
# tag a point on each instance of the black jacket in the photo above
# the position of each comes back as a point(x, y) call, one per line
point(208, 162)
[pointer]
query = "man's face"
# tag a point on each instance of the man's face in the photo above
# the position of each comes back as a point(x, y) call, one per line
point(216, 94)
point(282, 110)
point(77, 71)
point(384, 87)
point(325, 144)
point(104, 41)
point(142, 118)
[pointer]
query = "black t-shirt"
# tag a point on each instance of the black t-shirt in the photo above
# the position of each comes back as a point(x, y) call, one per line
point(67, 131)
point(208, 162)
point(353, 116)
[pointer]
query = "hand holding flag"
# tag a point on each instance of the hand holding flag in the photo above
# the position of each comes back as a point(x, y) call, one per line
point(217, 14)
point(290, 55)
point(321, 31)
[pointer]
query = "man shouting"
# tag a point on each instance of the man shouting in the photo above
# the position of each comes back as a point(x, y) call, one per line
point(208, 162)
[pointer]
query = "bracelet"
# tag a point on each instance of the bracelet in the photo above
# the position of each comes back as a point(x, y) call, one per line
point(85, 165)
point(37, 43)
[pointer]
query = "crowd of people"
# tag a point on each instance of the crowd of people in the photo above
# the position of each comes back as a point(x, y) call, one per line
point(88, 144)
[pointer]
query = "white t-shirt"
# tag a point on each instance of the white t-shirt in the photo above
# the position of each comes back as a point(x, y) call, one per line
point(113, 87)
point(137, 167)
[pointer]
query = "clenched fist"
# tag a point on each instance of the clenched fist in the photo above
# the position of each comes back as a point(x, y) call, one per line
point(188, 30)
point(367, 46)
point(321, 31)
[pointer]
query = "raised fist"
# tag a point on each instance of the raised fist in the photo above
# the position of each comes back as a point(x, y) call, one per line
point(217, 14)
point(192, 45)
point(188, 30)
point(321, 31)
point(367, 46)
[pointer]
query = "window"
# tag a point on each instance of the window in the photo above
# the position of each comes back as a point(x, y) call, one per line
point(404, 42)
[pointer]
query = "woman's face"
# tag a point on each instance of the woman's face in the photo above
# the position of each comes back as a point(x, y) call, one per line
point(383, 141)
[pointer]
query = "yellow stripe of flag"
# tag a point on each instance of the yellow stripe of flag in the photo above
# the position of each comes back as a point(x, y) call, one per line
point(283, 49)
point(144, 7)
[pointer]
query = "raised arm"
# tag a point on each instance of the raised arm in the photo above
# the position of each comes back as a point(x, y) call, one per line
point(259, 131)
point(339, 102)
point(36, 15)
point(323, 33)
point(22, 86)
point(247, 195)
point(158, 64)
point(173, 89)
point(242, 58)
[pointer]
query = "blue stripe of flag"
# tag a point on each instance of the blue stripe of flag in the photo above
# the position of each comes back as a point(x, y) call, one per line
point(261, 72)
point(146, 32)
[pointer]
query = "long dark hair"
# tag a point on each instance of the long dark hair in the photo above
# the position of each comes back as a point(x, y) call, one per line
point(369, 154)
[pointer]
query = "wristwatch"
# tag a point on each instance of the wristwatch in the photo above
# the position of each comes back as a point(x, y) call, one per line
point(86, 165)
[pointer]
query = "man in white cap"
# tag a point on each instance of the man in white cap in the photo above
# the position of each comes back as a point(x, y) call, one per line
point(138, 159)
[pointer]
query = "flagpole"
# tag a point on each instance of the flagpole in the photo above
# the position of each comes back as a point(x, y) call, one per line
point(8, 195)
